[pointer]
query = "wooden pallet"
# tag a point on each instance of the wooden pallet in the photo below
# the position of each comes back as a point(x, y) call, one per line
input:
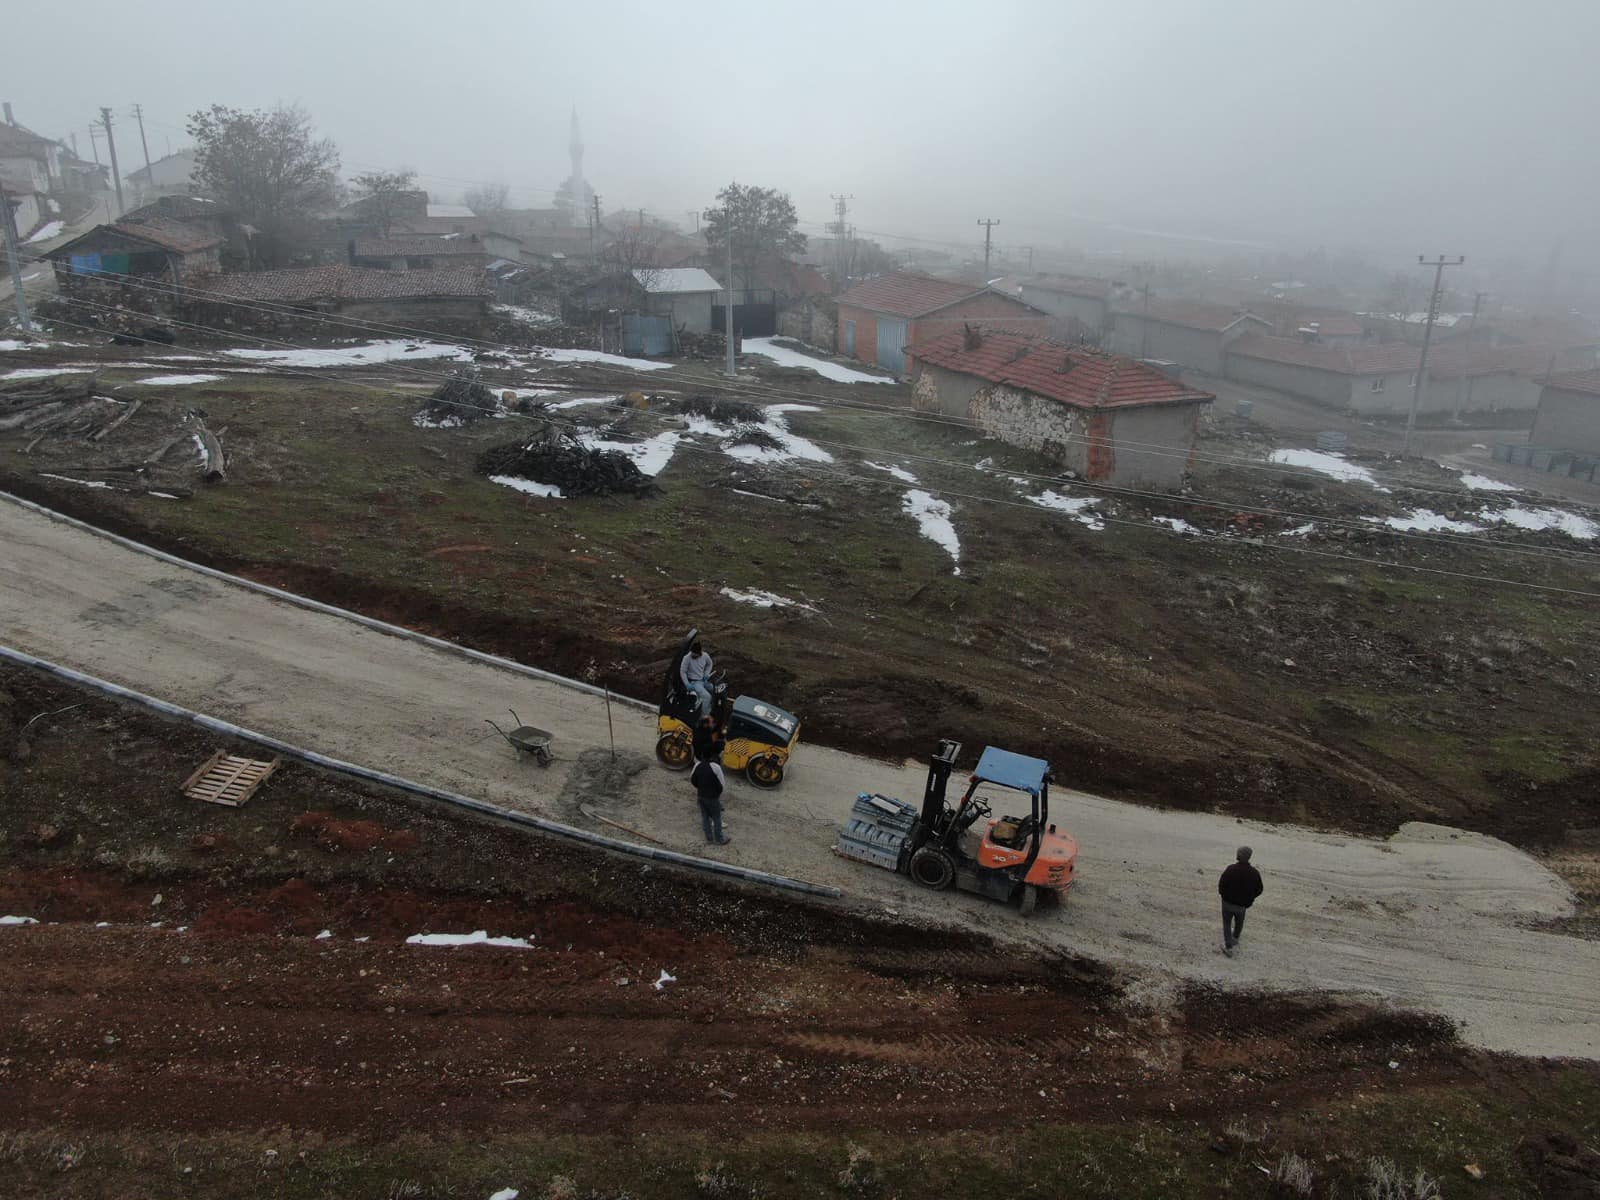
point(227, 779)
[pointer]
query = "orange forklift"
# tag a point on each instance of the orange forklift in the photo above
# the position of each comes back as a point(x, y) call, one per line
point(1022, 859)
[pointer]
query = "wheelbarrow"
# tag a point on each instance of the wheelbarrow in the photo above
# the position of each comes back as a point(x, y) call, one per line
point(526, 739)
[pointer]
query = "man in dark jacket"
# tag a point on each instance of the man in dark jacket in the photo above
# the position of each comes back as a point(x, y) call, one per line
point(1239, 886)
point(707, 780)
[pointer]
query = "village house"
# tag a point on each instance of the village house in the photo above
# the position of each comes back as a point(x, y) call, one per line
point(152, 249)
point(878, 319)
point(27, 211)
point(1330, 326)
point(1104, 416)
point(170, 175)
point(27, 159)
point(410, 253)
point(203, 216)
point(63, 184)
point(1192, 333)
point(399, 296)
point(1076, 298)
point(1568, 417)
point(682, 296)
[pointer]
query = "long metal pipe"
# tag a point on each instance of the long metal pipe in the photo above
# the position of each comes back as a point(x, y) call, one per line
point(493, 660)
point(454, 799)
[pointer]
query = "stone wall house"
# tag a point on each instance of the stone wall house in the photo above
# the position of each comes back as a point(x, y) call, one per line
point(879, 318)
point(1104, 416)
point(154, 249)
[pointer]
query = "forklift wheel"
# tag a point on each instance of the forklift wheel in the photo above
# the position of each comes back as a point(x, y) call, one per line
point(674, 750)
point(1030, 900)
point(933, 868)
point(764, 770)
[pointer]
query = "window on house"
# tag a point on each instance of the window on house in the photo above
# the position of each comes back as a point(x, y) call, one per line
point(1377, 384)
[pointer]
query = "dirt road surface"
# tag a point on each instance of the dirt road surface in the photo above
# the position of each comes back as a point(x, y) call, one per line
point(1432, 918)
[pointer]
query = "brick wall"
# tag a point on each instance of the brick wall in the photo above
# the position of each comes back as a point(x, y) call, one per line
point(866, 333)
point(989, 308)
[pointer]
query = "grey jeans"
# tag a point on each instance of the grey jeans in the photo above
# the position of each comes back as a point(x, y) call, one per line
point(711, 817)
point(1232, 923)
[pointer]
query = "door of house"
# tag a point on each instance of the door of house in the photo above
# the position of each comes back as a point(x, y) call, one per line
point(892, 345)
point(643, 334)
point(850, 339)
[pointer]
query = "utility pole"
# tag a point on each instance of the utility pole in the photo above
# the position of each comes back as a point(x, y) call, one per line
point(138, 115)
point(696, 215)
point(841, 206)
point(111, 146)
point(1420, 384)
point(1466, 376)
point(16, 261)
point(1029, 249)
point(727, 232)
point(988, 227)
point(594, 223)
point(94, 142)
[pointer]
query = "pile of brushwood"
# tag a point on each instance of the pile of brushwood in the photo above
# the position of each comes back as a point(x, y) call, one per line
point(563, 462)
point(704, 347)
point(460, 400)
point(759, 436)
point(718, 408)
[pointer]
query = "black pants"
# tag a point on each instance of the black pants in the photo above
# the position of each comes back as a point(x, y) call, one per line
point(1232, 923)
point(711, 817)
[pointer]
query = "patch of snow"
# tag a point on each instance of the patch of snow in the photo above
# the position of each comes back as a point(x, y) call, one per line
point(179, 379)
point(164, 495)
point(529, 316)
point(758, 495)
point(19, 920)
point(1425, 520)
point(45, 232)
point(102, 924)
point(424, 421)
point(1077, 507)
point(1299, 530)
point(658, 985)
point(1178, 525)
point(649, 455)
point(479, 938)
point(356, 356)
point(790, 445)
point(88, 483)
point(764, 599)
point(785, 357)
point(43, 372)
point(900, 473)
point(1568, 523)
point(599, 356)
point(1327, 464)
point(933, 520)
point(581, 402)
point(548, 491)
point(506, 1194)
point(1482, 483)
point(323, 936)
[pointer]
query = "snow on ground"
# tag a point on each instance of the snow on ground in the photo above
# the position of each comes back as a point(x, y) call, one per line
point(178, 379)
point(42, 372)
point(764, 599)
point(1425, 520)
point(659, 984)
point(616, 360)
point(479, 938)
point(1482, 483)
point(1568, 523)
point(424, 421)
point(790, 445)
point(89, 483)
point(1178, 525)
point(19, 920)
point(1299, 530)
point(579, 403)
point(785, 357)
point(900, 473)
point(1077, 507)
point(547, 491)
point(506, 1194)
point(933, 519)
point(1327, 464)
point(45, 232)
point(649, 455)
point(530, 316)
point(392, 350)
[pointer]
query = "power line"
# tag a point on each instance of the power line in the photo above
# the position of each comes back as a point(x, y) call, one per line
point(1419, 382)
point(405, 368)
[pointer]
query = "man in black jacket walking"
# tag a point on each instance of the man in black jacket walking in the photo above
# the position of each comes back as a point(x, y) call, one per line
point(708, 783)
point(1239, 886)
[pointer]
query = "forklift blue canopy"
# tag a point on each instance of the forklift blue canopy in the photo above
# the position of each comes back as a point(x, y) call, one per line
point(1012, 770)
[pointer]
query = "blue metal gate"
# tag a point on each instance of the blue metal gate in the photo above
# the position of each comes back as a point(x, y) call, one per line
point(892, 345)
point(642, 334)
point(850, 339)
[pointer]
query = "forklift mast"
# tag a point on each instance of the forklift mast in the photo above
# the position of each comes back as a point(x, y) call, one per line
point(939, 767)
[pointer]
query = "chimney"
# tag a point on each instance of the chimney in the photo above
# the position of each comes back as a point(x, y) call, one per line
point(10, 120)
point(971, 337)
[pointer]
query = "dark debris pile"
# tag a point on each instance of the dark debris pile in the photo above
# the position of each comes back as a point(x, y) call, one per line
point(576, 469)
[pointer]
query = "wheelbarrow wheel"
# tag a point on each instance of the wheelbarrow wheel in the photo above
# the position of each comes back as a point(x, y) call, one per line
point(675, 750)
point(764, 770)
point(542, 754)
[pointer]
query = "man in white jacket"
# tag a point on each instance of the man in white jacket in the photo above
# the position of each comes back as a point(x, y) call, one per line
point(695, 671)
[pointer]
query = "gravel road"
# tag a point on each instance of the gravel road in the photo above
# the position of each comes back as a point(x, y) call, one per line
point(1433, 918)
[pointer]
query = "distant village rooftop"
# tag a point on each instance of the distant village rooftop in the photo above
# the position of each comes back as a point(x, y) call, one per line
point(306, 284)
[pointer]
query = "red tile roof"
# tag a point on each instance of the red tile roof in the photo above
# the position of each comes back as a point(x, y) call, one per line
point(905, 295)
point(1587, 382)
point(1191, 314)
point(302, 284)
point(1071, 374)
point(1072, 285)
point(169, 235)
point(418, 247)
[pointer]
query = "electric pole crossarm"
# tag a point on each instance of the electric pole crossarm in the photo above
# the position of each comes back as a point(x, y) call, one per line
point(988, 230)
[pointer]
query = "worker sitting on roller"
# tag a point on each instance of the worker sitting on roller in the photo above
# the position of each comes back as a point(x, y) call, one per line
point(695, 671)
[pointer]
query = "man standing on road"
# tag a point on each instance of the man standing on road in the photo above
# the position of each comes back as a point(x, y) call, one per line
point(695, 671)
point(1239, 886)
point(707, 779)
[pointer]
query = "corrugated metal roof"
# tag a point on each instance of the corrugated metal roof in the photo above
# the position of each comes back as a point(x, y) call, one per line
point(1073, 375)
point(450, 210)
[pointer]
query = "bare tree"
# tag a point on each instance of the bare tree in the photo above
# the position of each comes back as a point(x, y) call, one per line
point(382, 194)
point(268, 166)
point(489, 199)
point(760, 221)
point(635, 251)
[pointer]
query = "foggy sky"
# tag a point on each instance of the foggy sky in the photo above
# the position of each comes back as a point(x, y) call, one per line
point(1400, 126)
